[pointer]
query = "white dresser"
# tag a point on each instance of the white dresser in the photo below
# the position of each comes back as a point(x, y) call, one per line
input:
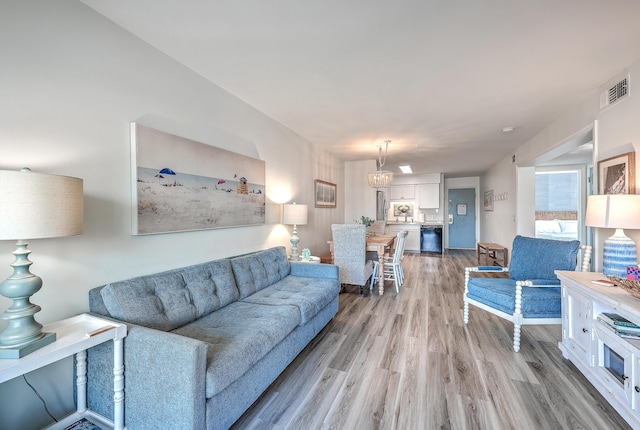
point(611, 363)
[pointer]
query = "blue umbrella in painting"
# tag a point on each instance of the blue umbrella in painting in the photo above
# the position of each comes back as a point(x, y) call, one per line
point(168, 171)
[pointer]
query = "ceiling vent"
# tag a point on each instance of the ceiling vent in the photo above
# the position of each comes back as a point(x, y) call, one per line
point(615, 93)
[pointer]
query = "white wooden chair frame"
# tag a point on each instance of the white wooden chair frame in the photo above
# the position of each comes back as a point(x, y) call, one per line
point(516, 318)
point(392, 268)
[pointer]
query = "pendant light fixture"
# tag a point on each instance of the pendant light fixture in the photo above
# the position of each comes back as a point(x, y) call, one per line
point(381, 178)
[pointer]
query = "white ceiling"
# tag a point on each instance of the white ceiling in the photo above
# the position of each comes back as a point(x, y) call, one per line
point(439, 78)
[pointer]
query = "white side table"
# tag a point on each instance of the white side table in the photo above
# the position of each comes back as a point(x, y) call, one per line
point(74, 336)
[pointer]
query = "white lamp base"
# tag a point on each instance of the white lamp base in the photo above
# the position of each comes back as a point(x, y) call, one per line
point(619, 252)
point(294, 245)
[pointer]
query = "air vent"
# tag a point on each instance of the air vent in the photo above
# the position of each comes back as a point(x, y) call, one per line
point(614, 94)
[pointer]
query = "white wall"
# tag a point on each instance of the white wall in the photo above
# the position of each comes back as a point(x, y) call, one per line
point(499, 225)
point(71, 82)
point(360, 198)
point(617, 132)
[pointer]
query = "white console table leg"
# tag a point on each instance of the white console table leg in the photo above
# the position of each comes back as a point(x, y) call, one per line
point(81, 380)
point(118, 385)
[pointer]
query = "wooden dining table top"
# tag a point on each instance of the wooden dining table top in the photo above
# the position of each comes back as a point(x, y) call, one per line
point(380, 239)
point(377, 239)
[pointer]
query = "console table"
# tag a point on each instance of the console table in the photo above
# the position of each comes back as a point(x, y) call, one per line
point(611, 363)
point(74, 336)
point(493, 254)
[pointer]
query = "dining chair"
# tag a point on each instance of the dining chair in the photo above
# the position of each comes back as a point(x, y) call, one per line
point(392, 266)
point(532, 293)
point(378, 226)
point(349, 254)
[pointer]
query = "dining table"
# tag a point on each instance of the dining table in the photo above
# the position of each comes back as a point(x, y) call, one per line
point(379, 243)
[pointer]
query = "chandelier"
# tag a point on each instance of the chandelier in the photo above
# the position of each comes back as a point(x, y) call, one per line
point(381, 178)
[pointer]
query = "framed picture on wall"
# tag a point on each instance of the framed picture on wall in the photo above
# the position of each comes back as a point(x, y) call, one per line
point(488, 200)
point(617, 175)
point(183, 185)
point(403, 209)
point(325, 194)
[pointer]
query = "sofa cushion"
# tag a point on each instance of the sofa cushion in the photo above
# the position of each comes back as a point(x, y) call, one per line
point(309, 295)
point(500, 293)
point(168, 300)
point(533, 258)
point(260, 269)
point(239, 335)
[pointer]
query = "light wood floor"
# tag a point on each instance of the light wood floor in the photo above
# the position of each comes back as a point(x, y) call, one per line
point(407, 361)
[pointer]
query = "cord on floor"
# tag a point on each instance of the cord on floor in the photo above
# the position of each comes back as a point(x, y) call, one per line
point(40, 397)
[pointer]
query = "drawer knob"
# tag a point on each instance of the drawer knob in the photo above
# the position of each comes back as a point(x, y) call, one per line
point(637, 389)
point(584, 330)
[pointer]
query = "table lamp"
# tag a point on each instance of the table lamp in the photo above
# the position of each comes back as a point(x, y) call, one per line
point(617, 211)
point(294, 214)
point(32, 206)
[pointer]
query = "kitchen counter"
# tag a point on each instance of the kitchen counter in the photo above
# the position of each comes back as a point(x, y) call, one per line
point(430, 222)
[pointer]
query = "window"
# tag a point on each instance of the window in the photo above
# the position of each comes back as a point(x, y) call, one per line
point(557, 200)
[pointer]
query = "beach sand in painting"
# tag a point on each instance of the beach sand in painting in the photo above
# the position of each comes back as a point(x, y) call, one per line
point(164, 208)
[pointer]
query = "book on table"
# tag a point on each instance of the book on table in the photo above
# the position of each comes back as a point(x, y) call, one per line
point(625, 332)
point(83, 424)
point(618, 321)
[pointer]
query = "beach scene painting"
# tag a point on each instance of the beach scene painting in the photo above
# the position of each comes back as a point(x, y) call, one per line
point(184, 185)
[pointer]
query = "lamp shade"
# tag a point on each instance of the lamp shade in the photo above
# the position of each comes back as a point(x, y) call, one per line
point(613, 211)
point(294, 214)
point(36, 205)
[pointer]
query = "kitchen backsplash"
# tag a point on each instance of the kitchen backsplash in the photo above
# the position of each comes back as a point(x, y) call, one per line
point(398, 209)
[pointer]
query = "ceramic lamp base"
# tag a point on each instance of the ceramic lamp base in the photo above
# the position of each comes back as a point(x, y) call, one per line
point(619, 252)
point(22, 350)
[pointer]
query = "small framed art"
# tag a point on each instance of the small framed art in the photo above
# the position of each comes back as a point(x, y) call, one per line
point(325, 194)
point(617, 175)
point(488, 200)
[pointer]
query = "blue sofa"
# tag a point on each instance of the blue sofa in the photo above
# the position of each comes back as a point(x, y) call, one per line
point(206, 340)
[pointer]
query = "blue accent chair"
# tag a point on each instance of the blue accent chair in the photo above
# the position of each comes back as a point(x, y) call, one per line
point(531, 294)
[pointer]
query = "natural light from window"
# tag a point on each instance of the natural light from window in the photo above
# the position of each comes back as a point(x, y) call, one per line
point(557, 205)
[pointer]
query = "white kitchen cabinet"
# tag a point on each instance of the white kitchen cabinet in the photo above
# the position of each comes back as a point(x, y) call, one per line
point(402, 192)
point(412, 242)
point(429, 196)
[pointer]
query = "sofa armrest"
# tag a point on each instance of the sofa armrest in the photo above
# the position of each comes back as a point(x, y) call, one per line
point(307, 270)
point(164, 379)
